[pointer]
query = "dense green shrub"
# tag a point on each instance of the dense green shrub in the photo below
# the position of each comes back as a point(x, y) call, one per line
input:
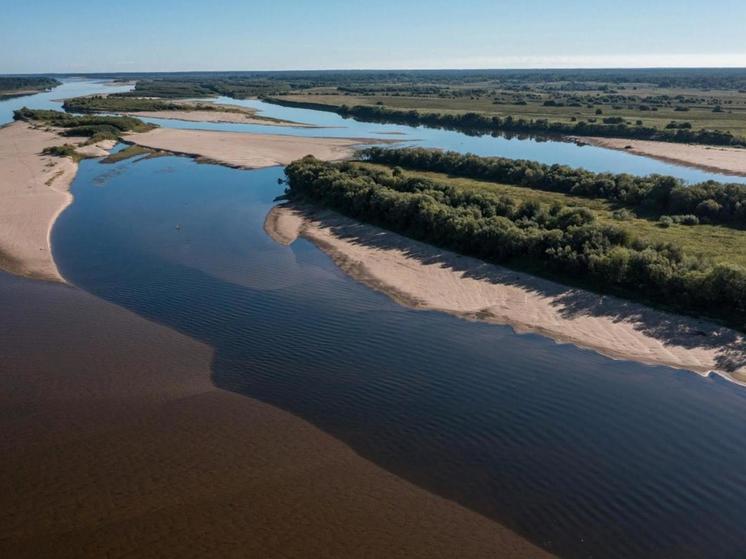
point(560, 240)
point(92, 126)
point(710, 201)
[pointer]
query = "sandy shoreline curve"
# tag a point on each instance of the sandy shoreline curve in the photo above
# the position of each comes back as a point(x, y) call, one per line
point(421, 276)
point(715, 159)
point(34, 190)
point(243, 150)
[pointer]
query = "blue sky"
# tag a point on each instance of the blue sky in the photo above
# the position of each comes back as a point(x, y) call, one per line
point(171, 35)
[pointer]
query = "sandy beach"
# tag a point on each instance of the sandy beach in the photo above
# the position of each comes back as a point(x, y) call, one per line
point(116, 443)
point(35, 188)
point(709, 158)
point(243, 117)
point(424, 277)
point(246, 151)
point(34, 191)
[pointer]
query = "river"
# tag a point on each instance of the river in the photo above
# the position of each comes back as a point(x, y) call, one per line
point(584, 455)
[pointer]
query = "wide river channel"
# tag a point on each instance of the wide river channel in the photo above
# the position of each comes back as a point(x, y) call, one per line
point(584, 455)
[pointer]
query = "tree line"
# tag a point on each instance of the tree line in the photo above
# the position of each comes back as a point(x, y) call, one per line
point(485, 124)
point(710, 201)
point(559, 240)
point(11, 82)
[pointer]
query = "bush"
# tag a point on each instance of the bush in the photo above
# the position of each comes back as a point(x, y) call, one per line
point(559, 240)
point(665, 221)
point(622, 214)
point(687, 219)
point(717, 202)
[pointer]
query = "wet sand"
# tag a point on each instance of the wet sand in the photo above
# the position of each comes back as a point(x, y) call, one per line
point(715, 159)
point(245, 151)
point(115, 443)
point(33, 192)
point(424, 277)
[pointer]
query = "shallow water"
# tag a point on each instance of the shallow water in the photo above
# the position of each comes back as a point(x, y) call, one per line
point(544, 150)
point(586, 456)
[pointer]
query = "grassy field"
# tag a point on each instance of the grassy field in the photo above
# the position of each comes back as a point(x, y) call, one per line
point(662, 99)
point(699, 115)
point(717, 243)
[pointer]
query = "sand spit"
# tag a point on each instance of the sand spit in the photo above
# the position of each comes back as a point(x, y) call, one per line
point(715, 159)
point(115, 443)
point(243, 117)
point(424, 277)
point(246, 151)
point(33, 192)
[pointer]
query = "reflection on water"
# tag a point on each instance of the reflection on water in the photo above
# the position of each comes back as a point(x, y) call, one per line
point(546, 151)
point(53, 99)
point(587, 456)
point(332, 125)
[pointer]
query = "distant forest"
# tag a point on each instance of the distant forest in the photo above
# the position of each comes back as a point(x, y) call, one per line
point(11, 86)
point(704, 106)
point(700, 78)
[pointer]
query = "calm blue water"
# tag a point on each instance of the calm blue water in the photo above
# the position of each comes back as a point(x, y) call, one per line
point(546, 151)
point(586, 456)
point(53, 99)
point(332, 125)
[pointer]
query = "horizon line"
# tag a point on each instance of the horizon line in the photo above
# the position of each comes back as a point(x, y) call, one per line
point(379, 69)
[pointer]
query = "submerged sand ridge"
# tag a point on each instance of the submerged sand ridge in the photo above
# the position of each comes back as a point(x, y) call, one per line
point(115, 443)
point(34, 190)
point(424, 277)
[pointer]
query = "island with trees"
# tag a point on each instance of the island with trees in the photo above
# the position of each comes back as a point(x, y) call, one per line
point(603, 242)
point(11, 86)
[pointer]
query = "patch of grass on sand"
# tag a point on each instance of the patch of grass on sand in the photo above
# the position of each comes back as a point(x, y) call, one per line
point(130, 152)
point(65, 150)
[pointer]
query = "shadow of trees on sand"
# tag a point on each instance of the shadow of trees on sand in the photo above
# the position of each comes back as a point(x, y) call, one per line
point(668, 328)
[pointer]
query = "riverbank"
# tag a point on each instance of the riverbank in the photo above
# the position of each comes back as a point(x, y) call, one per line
point(243, 150)
point(232, 117)
point(424, 277)
point(34, 190)
point(115, 442)
point(715, 159)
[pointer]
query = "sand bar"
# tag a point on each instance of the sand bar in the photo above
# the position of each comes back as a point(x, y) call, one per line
point(33, 192)
point(424, 277)
point(116, 444)
point(715, 159)
point(234, 117)
point(246, 151)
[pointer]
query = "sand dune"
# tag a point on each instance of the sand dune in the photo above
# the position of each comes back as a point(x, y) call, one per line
point(247, 151)
point(421, 276)
point(710, 158)
point(33, 192)
point(115, 443)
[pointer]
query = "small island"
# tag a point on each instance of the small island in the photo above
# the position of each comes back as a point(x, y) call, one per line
point(19, 86)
